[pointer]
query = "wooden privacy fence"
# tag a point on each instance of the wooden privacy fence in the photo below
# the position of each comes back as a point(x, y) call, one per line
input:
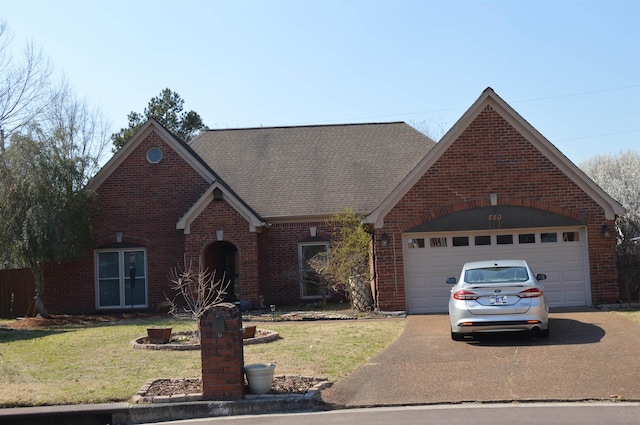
point(17, 289)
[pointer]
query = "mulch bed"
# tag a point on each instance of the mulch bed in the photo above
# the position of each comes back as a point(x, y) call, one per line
point(280, 385)
point(38, 322)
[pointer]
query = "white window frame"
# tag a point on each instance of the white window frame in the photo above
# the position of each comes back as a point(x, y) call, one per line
point(301, 266)
point(123, 275)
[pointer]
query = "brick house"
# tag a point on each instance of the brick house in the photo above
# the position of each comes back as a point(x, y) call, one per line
point(253, 203)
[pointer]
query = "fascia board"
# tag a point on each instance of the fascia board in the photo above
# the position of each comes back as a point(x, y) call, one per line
point(118, 158)
point(201, 204)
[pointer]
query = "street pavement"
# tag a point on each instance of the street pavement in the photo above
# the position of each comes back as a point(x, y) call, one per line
point(590, 355)
point(478, 414)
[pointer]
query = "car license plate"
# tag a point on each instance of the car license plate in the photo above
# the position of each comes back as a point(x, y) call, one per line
point(498, 299)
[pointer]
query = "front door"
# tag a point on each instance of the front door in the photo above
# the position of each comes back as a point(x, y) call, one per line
point(221, 258)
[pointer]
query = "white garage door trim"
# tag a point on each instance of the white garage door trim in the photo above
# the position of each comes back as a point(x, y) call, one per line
point(560, 253)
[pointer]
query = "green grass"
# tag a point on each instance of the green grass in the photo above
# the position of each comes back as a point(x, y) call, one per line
point(95, 363)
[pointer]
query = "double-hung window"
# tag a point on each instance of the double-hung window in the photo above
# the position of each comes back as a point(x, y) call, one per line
point(114, 270)
point(311, 285)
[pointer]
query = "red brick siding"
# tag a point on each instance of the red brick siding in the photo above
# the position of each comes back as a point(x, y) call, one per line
point(279, 259)
point(490, 156)
point(143, 201)
point(219, 215)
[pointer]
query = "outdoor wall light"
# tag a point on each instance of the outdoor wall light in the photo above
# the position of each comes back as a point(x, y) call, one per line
point(384, 239)
point(606, 232)
point(118, 237)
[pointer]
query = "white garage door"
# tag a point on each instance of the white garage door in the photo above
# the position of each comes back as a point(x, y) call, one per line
point(560, 253)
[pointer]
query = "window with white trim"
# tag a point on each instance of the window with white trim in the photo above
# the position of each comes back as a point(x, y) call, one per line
point(310, 284)
point(113, 278)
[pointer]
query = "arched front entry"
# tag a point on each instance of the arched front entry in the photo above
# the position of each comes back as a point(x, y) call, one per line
point(222, 257)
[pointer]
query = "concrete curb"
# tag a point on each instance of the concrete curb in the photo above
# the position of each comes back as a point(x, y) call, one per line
point(129, 414)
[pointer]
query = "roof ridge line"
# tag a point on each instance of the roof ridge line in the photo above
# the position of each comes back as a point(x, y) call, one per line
point(304, 126)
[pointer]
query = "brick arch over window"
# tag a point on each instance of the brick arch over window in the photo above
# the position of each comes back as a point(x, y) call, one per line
point(126, 239)
point(305, 236)
point(483, 203)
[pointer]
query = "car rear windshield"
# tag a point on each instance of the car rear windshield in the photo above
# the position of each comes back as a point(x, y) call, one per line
point(496, 275)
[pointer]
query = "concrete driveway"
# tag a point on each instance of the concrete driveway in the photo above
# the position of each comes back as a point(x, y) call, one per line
point(590, 355)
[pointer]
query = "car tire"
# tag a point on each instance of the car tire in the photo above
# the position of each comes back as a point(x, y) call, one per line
point(457, 336)
point(544, 333)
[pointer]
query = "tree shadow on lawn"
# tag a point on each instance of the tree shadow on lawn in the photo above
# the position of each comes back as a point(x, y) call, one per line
point(562, 332)
point(11, 335)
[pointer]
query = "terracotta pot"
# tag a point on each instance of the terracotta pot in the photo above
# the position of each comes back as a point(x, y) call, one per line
point(248, 332)
point(159, 335)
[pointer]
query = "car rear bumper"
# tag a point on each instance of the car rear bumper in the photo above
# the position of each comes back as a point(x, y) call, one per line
point(468, 325)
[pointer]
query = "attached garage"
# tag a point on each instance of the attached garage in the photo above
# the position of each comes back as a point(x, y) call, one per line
point(494, 188)
point(556, 246)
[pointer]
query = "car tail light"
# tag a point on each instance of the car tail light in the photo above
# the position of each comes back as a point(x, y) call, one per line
point(531, 293)
point(465, 295)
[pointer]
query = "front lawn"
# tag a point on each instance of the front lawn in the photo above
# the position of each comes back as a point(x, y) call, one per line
point(94, 362)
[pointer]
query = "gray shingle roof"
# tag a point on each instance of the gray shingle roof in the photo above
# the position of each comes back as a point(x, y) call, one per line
point(313, 170)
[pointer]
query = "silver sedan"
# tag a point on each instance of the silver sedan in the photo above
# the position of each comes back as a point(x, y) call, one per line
point(497, 296)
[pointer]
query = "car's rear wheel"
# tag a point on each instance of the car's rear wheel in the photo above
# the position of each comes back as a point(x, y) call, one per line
point(457, 336)
point(543, 333)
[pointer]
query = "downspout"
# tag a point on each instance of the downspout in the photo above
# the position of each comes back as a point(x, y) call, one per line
point(395, 265)
point(375, 271)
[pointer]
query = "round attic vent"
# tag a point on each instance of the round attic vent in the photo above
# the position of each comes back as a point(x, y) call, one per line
point(154, 155)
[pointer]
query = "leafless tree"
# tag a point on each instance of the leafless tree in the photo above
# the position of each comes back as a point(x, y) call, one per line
point(198, 288)
point(25, 85)
point(82, 131)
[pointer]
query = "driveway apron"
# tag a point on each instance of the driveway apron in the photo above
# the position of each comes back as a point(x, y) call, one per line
point(590, 355)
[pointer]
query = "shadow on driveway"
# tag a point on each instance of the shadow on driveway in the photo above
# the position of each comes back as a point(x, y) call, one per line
point(564, 331)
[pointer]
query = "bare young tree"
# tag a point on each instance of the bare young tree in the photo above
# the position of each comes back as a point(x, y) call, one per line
point(25, 86)
point(198, 288)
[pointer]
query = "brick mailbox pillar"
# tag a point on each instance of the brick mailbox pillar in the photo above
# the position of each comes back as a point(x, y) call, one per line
point(222, 353)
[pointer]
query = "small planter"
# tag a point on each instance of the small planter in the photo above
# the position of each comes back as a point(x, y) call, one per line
point(159, 335)
point(259, 377)
point(248, 332)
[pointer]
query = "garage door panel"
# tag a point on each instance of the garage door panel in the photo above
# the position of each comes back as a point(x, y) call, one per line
point(572, 255)
point(427, 268)
point(549, 257)
point(554, 297)
point(575, 298)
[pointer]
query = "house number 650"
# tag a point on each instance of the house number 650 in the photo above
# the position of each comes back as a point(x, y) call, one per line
point(495, 217)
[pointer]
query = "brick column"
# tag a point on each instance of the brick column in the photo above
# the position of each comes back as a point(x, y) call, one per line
point(222, 353)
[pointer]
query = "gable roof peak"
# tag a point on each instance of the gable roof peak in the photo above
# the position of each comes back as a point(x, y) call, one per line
point(489, 98)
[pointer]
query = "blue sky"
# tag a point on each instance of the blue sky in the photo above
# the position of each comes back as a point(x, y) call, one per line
point(570, 68)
